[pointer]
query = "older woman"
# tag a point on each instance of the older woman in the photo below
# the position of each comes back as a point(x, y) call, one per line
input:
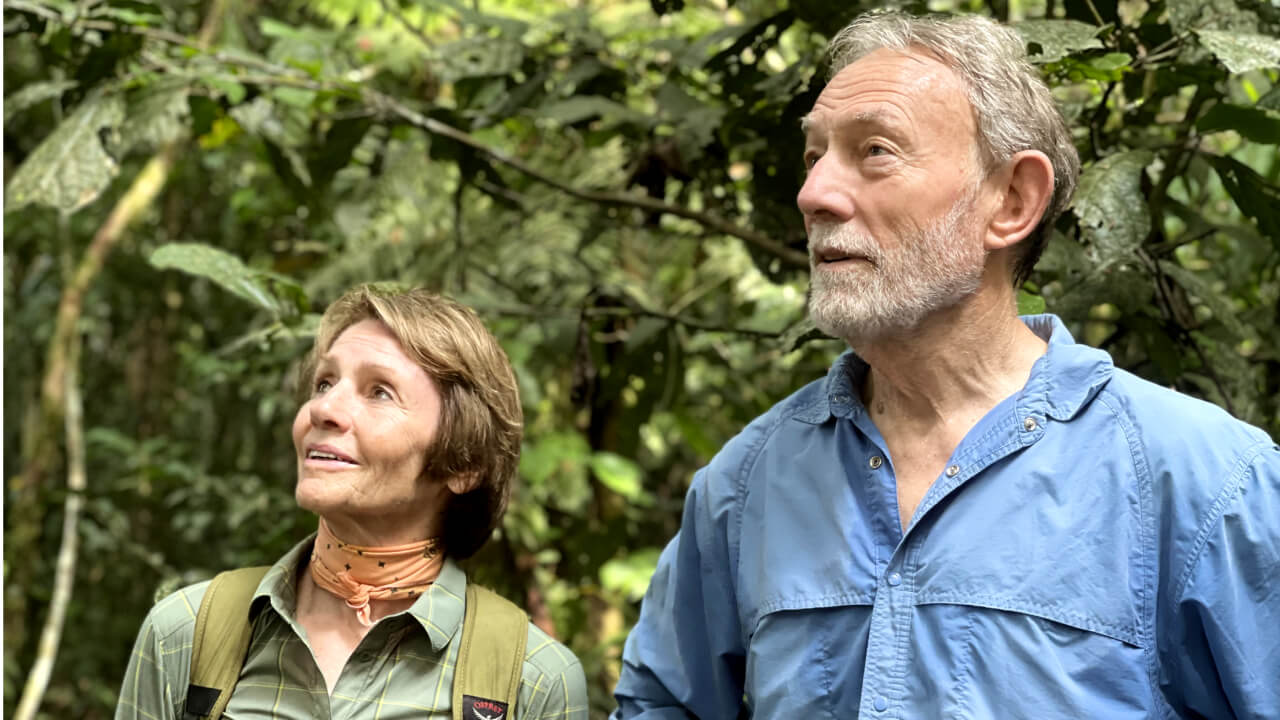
point(406, 449)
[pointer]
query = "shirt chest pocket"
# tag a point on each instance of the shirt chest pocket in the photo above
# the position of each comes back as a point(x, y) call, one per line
point(806, 660)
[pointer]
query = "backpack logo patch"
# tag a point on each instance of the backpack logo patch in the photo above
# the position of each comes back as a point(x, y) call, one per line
point(476, 708)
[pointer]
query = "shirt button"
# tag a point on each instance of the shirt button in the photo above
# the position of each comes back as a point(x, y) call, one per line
point(1029, 423)
point(881, 704)
point(842, 399)
point(953, 471)
point(895, 579)
point(876, 462)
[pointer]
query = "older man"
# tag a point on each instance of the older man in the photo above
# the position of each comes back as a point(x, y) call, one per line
point(971, 516)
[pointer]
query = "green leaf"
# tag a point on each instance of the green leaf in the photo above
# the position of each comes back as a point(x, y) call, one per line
point(1253, 124)
point(218, 266)
point(1112, 211)
point(621, 476)
point(1052, 40)
point(33, 94)
point(630, 575)
point(70, 168)
point(1242, 52)
point(232, 90)
point(157, 114)
point(1255, 197)
point(1029, 304)
point(1218, 304)
point(579, 108)
point(1270, 101)
point(479, 57)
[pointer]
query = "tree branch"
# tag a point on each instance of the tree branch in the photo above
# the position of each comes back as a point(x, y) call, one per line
point(792, 257)
point(65, 568)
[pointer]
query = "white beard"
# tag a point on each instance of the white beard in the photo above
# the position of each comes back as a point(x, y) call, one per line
point(929, 269)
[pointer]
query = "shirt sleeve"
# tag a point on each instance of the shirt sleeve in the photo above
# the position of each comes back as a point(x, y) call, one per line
point(1219, 656)
point(685, 656)
point(565, 696)
point(146, 693)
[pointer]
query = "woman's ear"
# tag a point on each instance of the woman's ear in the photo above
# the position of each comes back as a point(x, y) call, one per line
point(463, 484)
point(1025, 188)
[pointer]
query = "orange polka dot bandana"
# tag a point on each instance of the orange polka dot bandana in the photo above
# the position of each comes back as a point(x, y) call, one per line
point(360, 574)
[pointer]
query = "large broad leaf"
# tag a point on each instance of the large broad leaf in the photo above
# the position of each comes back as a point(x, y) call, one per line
point(157, 114)
point(1217, 303)
point(219, 266)
point(1052, 40)
point(1112, 211)
point(71, 167)
point(1255, 197)
point(1252, 124)
point(34, 93)
point(1242, 52)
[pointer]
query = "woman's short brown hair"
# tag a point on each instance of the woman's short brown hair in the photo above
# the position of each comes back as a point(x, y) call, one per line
point(480, 416)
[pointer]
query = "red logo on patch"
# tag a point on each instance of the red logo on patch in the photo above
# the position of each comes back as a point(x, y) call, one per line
point(475, 708)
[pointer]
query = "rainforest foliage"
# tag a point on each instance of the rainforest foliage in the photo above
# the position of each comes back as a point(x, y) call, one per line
point(611, 184)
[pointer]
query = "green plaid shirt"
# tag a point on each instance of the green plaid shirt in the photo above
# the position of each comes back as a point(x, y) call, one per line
point(402, 669)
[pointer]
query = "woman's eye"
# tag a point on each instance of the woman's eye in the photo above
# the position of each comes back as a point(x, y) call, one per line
point(382, 393)
point(322, 386)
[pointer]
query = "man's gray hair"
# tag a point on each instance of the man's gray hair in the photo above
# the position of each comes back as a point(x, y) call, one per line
point(1013, 107)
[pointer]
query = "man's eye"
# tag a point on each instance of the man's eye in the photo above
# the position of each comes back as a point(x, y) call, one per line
point(811, 159)
point(877, 150)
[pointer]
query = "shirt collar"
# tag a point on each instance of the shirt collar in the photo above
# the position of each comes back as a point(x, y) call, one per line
point(439, 610)
point(1062, 381)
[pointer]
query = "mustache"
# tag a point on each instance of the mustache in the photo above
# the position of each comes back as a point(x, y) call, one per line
point(828, 239)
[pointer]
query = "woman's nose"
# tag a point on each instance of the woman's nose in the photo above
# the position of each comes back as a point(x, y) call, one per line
point(332, 409)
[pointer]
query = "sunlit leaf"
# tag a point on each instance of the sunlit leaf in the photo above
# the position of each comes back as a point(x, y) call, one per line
point(630, 574)
point(70, 168)
point(621, 476)
point(218, 266)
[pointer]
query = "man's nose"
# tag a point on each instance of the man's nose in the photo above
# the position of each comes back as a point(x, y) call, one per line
point(826, 195)
point(332, 410)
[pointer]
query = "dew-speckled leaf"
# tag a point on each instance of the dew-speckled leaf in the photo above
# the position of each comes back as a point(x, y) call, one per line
point(1051, 40)
point(219, 266)
point(1112, 211)
point(70, 168)
point(1242, 52)
point(34, 93)
point(157, 115)
point(1217, 303)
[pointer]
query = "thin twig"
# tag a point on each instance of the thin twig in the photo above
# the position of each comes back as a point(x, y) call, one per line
point(399, 16)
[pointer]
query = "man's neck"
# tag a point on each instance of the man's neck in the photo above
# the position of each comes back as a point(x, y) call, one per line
point(953, 368)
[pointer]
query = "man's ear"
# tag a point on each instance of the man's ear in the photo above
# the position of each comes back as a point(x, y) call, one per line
point(1025, 188)
point(463, 484)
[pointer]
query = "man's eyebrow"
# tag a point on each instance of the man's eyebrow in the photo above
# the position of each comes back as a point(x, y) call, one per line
point(861, 117)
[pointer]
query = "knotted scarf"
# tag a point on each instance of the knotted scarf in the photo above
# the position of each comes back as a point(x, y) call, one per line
point(360, 574)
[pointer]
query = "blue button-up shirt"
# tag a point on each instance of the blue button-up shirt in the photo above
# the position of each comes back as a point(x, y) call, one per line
point(1097, 547)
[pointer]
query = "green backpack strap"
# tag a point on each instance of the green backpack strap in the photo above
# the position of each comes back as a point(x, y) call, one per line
point(491, 657)
point(221, 641)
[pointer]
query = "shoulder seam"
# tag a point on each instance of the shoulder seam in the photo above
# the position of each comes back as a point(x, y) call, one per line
point(1230, 490)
